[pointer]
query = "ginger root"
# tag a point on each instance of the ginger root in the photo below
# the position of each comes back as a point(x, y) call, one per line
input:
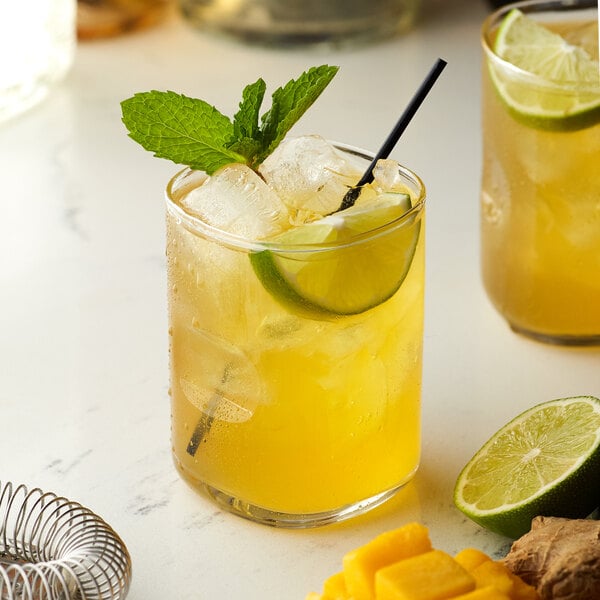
point(560, 558)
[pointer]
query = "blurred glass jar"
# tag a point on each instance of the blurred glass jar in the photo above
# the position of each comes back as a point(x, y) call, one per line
point(107, 18)
point(37, 43)
point(296, 22)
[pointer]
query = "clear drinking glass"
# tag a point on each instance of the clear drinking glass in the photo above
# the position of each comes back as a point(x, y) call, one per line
point(540, 196)
point(290, 22)
point(37, 43)
point(283, 416)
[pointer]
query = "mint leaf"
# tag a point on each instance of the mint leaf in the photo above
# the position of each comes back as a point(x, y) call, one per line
point(185, 130)
point(245, 121)
point(290, 102)
point(191, 132)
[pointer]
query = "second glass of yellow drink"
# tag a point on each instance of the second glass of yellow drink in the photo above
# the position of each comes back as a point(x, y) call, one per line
point(540, 198)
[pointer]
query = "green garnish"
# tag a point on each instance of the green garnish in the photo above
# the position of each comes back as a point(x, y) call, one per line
point(191, 132)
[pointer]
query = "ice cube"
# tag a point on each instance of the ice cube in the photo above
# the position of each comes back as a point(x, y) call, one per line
point(387, 177)
point(221, 380)
point(310, 175)
point(235, 199)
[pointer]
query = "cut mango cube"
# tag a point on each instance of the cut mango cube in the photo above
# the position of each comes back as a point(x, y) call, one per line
point(334, 588)
point(360, 565)
point(486, 593)
point(495, 574)
point(471, 558)
point(433, 575)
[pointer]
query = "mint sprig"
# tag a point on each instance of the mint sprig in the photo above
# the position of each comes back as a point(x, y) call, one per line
point(191, 132)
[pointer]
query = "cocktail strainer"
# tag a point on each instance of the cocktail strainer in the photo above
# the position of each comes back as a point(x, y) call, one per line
point(54, 549)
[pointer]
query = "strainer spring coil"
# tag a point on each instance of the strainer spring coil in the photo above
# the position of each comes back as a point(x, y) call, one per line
point(54, 549)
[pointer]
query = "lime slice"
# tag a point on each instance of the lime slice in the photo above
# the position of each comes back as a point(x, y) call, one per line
point(530, 46)
point(374, 248)
point(544, 462)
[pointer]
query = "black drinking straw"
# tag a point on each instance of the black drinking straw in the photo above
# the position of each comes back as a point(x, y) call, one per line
point(392, 139)
point(206, 420)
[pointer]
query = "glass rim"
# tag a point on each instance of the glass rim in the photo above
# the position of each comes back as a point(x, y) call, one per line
point(537, 6)
point(196, 226)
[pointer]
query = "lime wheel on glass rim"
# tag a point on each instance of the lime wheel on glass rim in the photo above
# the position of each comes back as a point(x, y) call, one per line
point(344, 263)
point(546, 461)
point(563, 95)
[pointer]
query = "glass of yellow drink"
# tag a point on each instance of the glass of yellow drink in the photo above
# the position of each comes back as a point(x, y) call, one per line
point(287, 410)
point(540, 197)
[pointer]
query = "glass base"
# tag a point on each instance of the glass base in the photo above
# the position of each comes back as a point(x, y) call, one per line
point(557, 339)
point(284, 520)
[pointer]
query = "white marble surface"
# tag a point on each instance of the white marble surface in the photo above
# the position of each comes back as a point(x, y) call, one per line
point(83, 347)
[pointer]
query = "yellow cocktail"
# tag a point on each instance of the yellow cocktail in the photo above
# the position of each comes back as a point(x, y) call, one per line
point(540, 211)
point(292, 405)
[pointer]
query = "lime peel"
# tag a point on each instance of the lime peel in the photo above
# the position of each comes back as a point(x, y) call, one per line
point(546, 461)
point(537, 51)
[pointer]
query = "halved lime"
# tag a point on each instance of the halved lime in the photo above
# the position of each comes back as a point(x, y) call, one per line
point(544, 462)
point(573, 102)
point(344, 263)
